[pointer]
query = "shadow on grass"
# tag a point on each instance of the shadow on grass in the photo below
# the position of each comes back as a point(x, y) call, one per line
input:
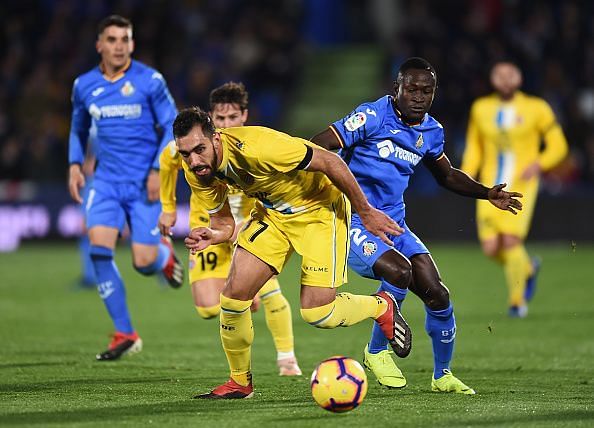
point(38, 364)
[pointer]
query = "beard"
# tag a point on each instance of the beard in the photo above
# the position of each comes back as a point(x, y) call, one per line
point(206, 180)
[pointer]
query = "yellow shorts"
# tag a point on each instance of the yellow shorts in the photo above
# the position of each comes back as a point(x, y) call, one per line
point(213, 262)
point(320, 236)
point(491, 221)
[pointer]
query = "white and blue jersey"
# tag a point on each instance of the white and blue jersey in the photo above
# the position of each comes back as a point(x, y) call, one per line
point(382, 153)
point(133, 116)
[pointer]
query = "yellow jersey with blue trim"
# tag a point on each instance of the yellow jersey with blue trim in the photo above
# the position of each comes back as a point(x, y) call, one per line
point(269, 166)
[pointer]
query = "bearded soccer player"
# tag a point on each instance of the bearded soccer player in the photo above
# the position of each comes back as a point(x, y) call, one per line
point(209, 268)
point(503, 144)
point(126, 101)
point(301, 207)
point(382, 142)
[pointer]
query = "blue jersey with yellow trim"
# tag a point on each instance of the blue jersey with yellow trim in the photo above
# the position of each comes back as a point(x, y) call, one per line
point(382, 151)
point(133, 116)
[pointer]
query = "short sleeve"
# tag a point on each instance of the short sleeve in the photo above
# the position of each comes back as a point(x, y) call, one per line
point(437, 144)
point(212, 198)
point(357, 126)
point(277, 151)
point(545, 118)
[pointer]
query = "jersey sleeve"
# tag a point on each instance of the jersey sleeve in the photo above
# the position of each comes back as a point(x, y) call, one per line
point(471, 159)
point(289, 153)
point(212, 198)
point(555, 147)
point(170, 163)
point(357, 126)
point(437, 146)
point(164, 111)
point(79, 127)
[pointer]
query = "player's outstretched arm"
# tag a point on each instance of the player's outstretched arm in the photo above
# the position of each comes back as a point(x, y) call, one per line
point(327, 139)
point(374, 220)
point(461, 183)
point(221, 229)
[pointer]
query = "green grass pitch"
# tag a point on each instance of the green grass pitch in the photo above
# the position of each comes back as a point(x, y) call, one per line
point(533, 372)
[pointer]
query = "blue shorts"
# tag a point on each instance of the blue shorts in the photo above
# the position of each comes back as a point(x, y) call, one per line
point(366, 248)
point(115, 204)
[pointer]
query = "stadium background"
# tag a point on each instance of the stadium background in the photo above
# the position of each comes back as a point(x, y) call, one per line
point(305, 64)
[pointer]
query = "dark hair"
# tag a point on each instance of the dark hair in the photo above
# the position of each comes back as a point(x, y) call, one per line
point(117, 20)
point(229, 93)
point(415, 63)
point(190, 117)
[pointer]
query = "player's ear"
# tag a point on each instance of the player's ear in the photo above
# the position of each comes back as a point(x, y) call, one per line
point(98, 46)
point(132, 45)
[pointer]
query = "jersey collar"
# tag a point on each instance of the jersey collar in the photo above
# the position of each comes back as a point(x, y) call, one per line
point(116, 76)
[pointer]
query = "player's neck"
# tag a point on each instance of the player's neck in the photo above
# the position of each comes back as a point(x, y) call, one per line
point(507, 97)
point(404, 120)
point(113, 73)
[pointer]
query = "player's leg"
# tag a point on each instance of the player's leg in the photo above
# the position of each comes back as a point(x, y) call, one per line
point(151, 252)
point(440, 322)
point(208, 272)
point(87, 279)
point(247, 275)
point(105, 219)
point(279, 321)
point(518, 269)
point(322, 239)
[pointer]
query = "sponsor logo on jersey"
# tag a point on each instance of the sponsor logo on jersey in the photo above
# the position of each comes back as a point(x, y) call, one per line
point(98, 91)
point(240, 145)
point(369, 248)
point(419, 142)
point(371, 112)
point(127, 89)
point(355, 121)
point(127, 111)
point(315, 268)
point(395, 131)
point(386, 148)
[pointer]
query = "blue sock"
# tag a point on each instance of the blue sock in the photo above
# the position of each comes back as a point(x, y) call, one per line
point(441, 327)
point(88, 272)
point(378, 341)
point(111, 288)
point(163, 254)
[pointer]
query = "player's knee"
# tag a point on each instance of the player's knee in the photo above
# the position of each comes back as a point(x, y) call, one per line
point(321, 316)
point(398, 274)
point(438, 298)
point(208, 312)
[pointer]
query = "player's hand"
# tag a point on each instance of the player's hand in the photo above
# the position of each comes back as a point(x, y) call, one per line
point(504, 200)
point(166, 222)
point(152, 186)
point(198, 239)
point(532, 170)
point(76, 181)
point(380, 224)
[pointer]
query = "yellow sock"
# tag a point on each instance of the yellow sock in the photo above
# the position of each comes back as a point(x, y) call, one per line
point(347, 309)
point(517, 268)
point(208, 312)
point(237, 335)
point(278, 316)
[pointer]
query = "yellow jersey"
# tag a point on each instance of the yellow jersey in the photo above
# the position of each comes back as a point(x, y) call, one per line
point(266, 165)
point(504, 138)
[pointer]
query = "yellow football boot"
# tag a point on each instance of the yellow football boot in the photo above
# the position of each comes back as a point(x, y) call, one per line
point(450, 383)
point(384, 368)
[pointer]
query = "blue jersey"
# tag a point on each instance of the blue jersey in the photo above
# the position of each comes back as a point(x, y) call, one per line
point(382, 151)
point(133, 116)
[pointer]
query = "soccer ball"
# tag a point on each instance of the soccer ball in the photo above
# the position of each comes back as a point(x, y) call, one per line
point(338, 384)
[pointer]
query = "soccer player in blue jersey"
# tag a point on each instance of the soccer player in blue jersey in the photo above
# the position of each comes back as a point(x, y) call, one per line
point(133, 112)
point(382, 142)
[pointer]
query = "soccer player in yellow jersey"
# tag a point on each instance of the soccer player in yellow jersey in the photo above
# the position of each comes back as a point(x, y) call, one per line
point(209, 268)
point(503, 143)
point(302, 206)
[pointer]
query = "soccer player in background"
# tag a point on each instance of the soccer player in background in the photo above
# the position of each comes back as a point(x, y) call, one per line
point(87, 278)
point(130, 105)
point(505, 132)
point(210, 268)
point(301, 207)
point(382, 142)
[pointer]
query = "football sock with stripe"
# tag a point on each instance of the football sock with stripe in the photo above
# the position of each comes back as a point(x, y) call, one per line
point(111, 288)
point(163, 254)
point(278, 316)
point(441, 327)
point(378, 340)
point(237, 335)
point(208, 312)
point(517, 268)
point(347, 309)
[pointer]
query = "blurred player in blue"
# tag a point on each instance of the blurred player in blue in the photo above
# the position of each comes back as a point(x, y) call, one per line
point(382, 142)
point(133, 112)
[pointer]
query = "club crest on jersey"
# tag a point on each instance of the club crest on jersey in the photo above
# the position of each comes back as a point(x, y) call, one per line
point(355, 121)
point(419, 142)
point(240, 145)
point(369, 248)
point(127, 89)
